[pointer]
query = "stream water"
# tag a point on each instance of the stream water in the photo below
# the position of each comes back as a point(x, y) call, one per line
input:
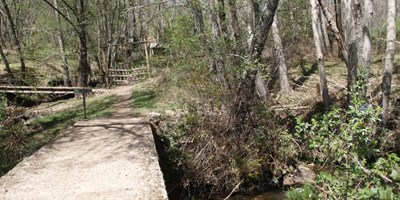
point(278, 195)
point(270, 195)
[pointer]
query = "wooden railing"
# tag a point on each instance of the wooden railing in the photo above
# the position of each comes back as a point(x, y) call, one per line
point(47, 90)
point(124, 76)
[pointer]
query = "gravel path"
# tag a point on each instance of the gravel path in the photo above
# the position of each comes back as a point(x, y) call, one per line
point(113, 158)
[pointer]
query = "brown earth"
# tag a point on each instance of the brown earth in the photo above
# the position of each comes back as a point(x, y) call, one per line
point(109, 158)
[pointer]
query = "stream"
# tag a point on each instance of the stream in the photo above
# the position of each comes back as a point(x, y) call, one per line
point(278, 195)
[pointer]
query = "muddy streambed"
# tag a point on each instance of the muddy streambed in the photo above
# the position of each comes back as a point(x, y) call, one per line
point(278, 195)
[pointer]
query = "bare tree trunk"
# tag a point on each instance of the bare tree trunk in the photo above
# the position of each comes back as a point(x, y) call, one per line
point(358, 21)
point(247, 87)
point(339, 24)
point(317, 40)
point(60, 36)
point(100, 64)
point(351, 43)
point(197, 14)
point(83, 52)
point(390, 49)
point(222, 19)
point(6, 63)
point(238, 49)
point(262, 29)
point(336, 31)
point(324, 34)
point(15, 38)
point(368, 17)
point(283, 74)
point(219, 65)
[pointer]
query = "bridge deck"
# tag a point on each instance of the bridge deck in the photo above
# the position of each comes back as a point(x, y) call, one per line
point(113, 158)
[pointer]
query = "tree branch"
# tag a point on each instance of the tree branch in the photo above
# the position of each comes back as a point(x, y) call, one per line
point(62, 15)
point(69, 6)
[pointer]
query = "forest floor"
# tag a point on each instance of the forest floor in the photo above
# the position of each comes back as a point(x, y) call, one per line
point(106, 158)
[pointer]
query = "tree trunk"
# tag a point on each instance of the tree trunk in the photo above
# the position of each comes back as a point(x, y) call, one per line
point(247, 87)
point(262, 29)
point(317, 41)
point(15, 38)
point(60, 36)
point(368, 17)
point(324, 34)
point(82, 52)
point(197, 15)
point(100, 64)
point(390, 49)
point(339, 24)
point(359, 28)
point(351, 43)
point(283, 74)
point(222, 19)
point(219, 65)
point(238, 49)
point(6, 63)
point(336, 31)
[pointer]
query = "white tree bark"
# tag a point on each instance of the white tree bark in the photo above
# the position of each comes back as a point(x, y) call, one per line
point(366, 54)
point(390, 49)
point(351, 43)
point(16, 39)
point(358, 21)
point(283, 74)
point(324, 32)
point(60, 37)
point(320, 56)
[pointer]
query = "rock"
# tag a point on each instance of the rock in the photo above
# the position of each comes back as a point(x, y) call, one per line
point(170, 113)
point(302, 175)
point(154, 116)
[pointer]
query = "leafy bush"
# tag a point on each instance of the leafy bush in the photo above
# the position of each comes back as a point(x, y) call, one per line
point(2, 107)
point(345, 140)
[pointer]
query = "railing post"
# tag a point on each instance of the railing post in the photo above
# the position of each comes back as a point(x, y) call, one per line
point(84, 104)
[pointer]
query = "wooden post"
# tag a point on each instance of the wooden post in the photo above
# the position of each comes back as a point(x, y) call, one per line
point(84, 105)
point(147, 58)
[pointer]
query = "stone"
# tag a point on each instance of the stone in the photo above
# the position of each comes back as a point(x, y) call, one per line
point(302, 175)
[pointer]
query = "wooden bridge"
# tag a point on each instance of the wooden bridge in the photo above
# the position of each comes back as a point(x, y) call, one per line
point(47, 90)
point(108, 158)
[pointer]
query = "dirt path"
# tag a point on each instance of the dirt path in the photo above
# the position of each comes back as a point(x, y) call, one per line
point(113, 158)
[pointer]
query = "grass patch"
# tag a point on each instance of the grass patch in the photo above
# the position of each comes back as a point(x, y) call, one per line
point(19, 140)
point(144, 99)
point(152, 97)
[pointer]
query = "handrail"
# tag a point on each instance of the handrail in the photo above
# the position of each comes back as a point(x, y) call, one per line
point(47, 90)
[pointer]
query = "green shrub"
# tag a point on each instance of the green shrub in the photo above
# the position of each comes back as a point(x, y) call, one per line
point(3, 102)
point(344, 140)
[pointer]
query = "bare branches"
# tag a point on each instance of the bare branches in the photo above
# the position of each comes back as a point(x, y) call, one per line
point(338, 36)
point(62, 15)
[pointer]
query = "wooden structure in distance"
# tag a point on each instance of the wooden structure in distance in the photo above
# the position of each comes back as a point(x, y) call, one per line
point(47, 90)
point(124, 75)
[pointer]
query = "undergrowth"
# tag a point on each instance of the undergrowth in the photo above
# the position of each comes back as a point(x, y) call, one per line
point(347, 141)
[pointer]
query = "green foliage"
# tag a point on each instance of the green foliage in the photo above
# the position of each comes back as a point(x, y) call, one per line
point(340, 134)
point(3, 102)
point(144, 99)
point(181, 39)
point(343, 139)
point(147, 98)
